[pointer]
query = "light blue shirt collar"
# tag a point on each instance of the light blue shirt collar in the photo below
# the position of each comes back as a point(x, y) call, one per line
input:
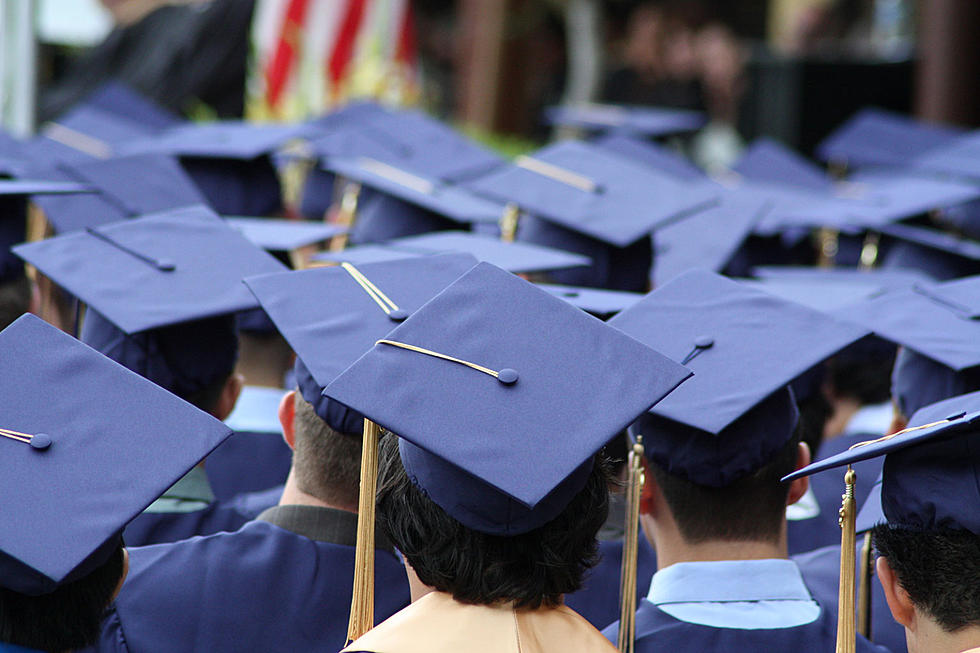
point(744, 594)
point(874, 419)
point(257, 410)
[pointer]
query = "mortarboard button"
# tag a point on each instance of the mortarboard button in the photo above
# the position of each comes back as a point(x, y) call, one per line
point(397, 315)
point(507, 376)
point(41, 441)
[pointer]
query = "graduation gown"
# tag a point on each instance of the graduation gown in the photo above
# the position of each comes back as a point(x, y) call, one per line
point(821, 573)
point(265, 587)
point(248, 462)
point(821, 529)
point(436, 622)
point(598, 600)
point(658, 631)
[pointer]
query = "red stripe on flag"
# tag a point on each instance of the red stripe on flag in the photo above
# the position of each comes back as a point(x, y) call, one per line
point(277, 74)
point(343, 49)
point(405, 50)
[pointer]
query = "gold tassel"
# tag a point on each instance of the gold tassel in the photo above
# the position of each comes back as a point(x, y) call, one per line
point(846, 638)
point(864, 589)
point(828, 241)
point(508, 222)
point(346, 216)
point(869, 251)
point(627, 578)
point(362, 600)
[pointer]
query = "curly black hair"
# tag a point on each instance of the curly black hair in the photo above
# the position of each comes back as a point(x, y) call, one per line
point(940, 570)
point(531, 570)
point(68, 618)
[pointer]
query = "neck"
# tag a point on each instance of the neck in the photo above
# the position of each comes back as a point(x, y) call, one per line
point(671, 547)
point(926, 636)
point(417, 589)
point(293, 496)
point(844, 410)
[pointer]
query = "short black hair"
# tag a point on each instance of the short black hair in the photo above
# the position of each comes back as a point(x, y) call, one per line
point(752, 508)
point(68, 618)
point(531, 570)
point(815, 410)
point(15, 300)
point(327, 462)
point(865, 378)
point(940, 570)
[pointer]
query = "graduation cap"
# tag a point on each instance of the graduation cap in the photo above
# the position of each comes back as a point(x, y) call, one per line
point(650, 154)
point(125, 187)
point(86, 445)
point(956, 158)
point(939, 358)
point(479, 398)
point(330, 316)
point(643, 121)
point(598, 301)
point(744, 346)
point(931, 473)
point(874, 137)
point(13, 221)
point(228, 160)
point(278, 235)
point(832, 289)
point(945, 244)
point(708, 239)
point(161, 290)
point(407, 202)
point(514, 257)
point(767, 160)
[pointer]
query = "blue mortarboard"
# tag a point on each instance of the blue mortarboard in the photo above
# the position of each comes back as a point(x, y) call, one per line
point(767, 160)
point(939, 241)
point(99, 445)
point(744, 346)
point(277, 235)
point(407, 202)
point(330, 316)
point(478, 429)
point(652, 155)
point(372, 253)
point(593, 192)
point(931, 475)
point(597, 301)
point(125, 187)
point(645, 121)
point(880, 278)
point(13, 219)
point(228, 160)
point(156, 270)
point(958, 158)
point(940, 357)
point(873, 137)
point(511, 256)
point(831, 289)
point(709, 239)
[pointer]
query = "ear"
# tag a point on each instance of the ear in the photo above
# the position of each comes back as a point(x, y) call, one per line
point(899, 421)
point(122, 576)
point(287, 413)
point(229, 396)
point(901, 606)
point(799, 487)
point(647, 493)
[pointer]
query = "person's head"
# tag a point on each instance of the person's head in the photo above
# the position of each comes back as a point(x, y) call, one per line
point(531, 569)
point(16, 298)
point(751, 508)
point(194, 360)
point(930, 575)
point(862, 372)
point(326, 462)
point(68, 618)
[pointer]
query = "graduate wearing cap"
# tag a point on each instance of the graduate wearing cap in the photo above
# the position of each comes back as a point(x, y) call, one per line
point(472, 390)
point(74, 469)
point(713, 506)
point(581, 198)
point(329, 316)
point(927, 535)
point(162, 292)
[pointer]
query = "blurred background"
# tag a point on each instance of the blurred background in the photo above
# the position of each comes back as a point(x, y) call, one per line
point(789, 69)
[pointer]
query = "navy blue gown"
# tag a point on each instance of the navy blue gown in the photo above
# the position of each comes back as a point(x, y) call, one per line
point(262, 588)
point(598, 600)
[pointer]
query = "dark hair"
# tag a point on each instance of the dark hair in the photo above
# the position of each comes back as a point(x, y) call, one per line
point(532, 569)
point(327, 463)
point(750, 509)
point(815, 410)
point(940, 570)
point(15, 300)
point(865, 378)
point(66, 619)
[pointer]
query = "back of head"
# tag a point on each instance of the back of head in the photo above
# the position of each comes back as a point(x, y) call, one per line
point(68, 618)
point(532, 569)
point(192, 359)
point(15, 299)
point(326, 462)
